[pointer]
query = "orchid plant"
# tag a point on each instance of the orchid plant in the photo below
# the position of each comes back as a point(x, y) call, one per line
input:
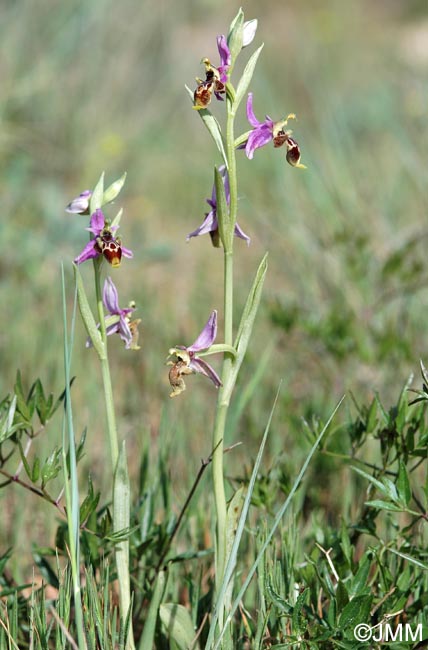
point(221, 223)
point(104, 246)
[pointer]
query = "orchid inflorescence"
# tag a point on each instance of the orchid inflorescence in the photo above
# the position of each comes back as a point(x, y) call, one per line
point(220, 222)
point(105, 244)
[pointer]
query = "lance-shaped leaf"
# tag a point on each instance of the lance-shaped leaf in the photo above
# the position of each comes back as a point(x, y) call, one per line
point(6, 421)
point(247, 75)
point(225, 226)
point(113, 190)
point(121, 516)
point(235, 36)
point(87, 316)
point(97, 195)
point(176, 619)
point(121, 492)
point(213, 127)
point(246, 325)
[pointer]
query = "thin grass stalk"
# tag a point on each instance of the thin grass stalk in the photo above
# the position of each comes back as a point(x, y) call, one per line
point(71, 487)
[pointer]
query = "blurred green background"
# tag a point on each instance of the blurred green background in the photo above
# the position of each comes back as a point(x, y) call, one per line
point(88, 87)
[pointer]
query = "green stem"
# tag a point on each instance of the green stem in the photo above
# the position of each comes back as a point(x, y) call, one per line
point(105, 371)
point(223, 400)
point(120, 518)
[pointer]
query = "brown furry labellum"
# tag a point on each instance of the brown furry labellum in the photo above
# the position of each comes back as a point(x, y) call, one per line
point(110, 248)
point(203, 93)
point(178, 369)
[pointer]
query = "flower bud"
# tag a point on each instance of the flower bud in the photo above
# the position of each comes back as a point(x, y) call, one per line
point(80, 205)
point(113, 190)
point(249, 32)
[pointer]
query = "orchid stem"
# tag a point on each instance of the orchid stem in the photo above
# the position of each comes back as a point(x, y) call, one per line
point(223, 399)
point(122, 547)
point(105, 371)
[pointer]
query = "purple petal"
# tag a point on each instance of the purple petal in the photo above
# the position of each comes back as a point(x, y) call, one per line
point(89, 252)
point(125, 332)
point(112, 329)
point(126, 252)
point(218, 96)
point(207, 336)
point(241, 234)
point(80, 204)
point(258, 138)
point(110, 297)
point(223, 50)
point(250, 113)
point(204, 368)
point(97, 222)
point(209, 225)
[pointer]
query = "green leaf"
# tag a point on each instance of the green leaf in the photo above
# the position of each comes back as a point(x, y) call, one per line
point(235, 36)
point(213, 127)
point(178, 624)
point(389, 489)
point(6, 422)
point(403, 484)
point(52, 466)
point(245, 80)
point(299, 620)
point(246, 325)
point(233, 513)
point(21, 402)
point(224, 225)
point(356, 611)
point(345, 543)
point(146, 640)
point(384, 505)
point(97, 195)
point(89, 503)
point(380, 486)
point(113, 190)
point(342, 596)
point(25, 461)
point(276, 599)
point(360, 579)
point(87, 317)
point(35, 472)
point(409, 558)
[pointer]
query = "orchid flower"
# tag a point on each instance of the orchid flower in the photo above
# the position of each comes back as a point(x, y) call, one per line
point(210, 223)
point(188, 362)
point(118, 320)
point(80, 205)
point(103, 242)
point(267, 131)
point(215, 78)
